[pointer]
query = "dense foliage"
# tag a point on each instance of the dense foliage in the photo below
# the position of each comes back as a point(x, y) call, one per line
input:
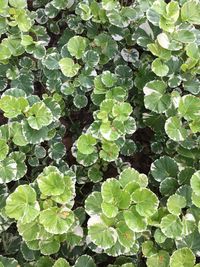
point(99, 133)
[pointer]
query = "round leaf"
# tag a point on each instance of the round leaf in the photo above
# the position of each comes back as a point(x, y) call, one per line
point(183, 257)
point(146, 202)
point(171, 226)
point(56, 220)
point(22, 205)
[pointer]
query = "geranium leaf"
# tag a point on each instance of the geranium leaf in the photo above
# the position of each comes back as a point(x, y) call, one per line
point(86, 144)
point(156, 98)
point(22, 204)
point(56, 220)
point(146, 202)
point(171, 226)
point(39, 116)
point(76, 46)
point(183, 257)
point(68, 67)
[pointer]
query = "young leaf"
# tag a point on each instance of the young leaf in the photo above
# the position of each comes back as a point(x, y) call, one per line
point(56, 220)
point(86, 144)
point(156, 98)
point(134, 220)
point(171, 226)
point(51, 184)
point(61, 262)
point(195, 183)
point(164, 167)
point(159, 68)
point(146, 202)
point(101, 235)
point(13, 106)
point(76, 46)
point(175, 203)
point(4, 148)
point(183, 257)
point(175, 130)
point(68, 67)
point(22, 205)
point(190, 12)
point(8, 170)
point(39, 116)
point(84, 260)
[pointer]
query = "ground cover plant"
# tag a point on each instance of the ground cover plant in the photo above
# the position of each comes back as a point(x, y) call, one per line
point(99, 133)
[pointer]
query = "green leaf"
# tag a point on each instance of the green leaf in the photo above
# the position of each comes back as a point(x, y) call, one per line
point(4, 52)
point(148, 248)
point(189, 107)
point(111, 132)
point(91, 58)
point(51, 61)
point(56, 220)
point(109, 210)
point(29, 231)
point(85, 260)
point(93, 203)
point(159, 51)
point(160, 259)
point(129, 175)
point(51, 184)
point(195, 183)
point(156, 98)
point(13, 106)
point(190, 12)
point(171, 11)
point(164, 167)
point(49, 246)
point(175, 204)
point(84, 11)
point(19, 158)
point(109, 152)
point(95, 175)
point(183, 257)
point(146, 202)
point(175, 130)
point(171, 226)
point(34, 136)
point(17, 135)
point(68, 67)
point(8, 262)
point(18, 3)
point(8, 170)
point(87, 160)
point(126, 236)
point(107, 44)
point(100, 234)
point(184, 36)
point(57, 151)
point(109, 4)
point(159, 68)
point(168, 186)
point(76, 46)
point(110, 190)
point(121, 111)
point(39, 116)
point(23, 20)
point(61, 262)
point(134, 220)
point(4, 148)
point(108, 79)
point(192, 50)
point(62, 4)
point(86, 144)
point(22, 205)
